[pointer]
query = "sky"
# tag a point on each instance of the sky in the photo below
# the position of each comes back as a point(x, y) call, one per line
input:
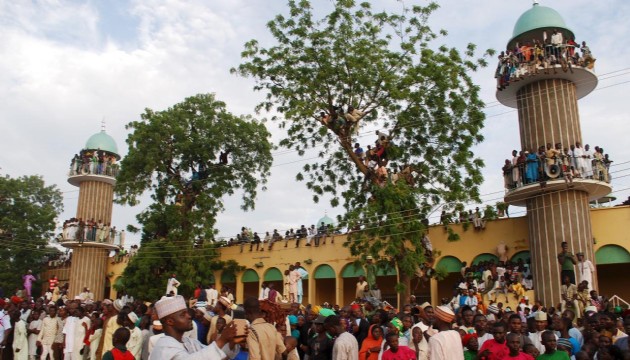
point(65, 66)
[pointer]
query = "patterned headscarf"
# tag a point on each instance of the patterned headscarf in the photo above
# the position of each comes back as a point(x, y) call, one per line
point(398, 325)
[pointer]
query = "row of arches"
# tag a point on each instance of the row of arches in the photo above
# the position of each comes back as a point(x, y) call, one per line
point(610, 260)
point(606, 255)
point(328, 284)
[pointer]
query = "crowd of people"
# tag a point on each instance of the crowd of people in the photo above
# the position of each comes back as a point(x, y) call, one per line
point(95, 162)
point(308, 236)
point(211, 326)
point(555, 162)
point(531, 57)
point(77, 229)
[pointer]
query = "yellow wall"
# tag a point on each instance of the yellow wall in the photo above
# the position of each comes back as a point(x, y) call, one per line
point(609, 227)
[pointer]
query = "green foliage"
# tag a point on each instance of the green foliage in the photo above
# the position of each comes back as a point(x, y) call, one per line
point(174, 154)
point(148, 272)
point(28, 209)
point(489, 213)
point(389, 68)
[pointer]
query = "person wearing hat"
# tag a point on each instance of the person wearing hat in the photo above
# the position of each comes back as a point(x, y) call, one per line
point(263, 341)
point(176, 320)
point(220, 310)
point(541, 327)
point(110, 324)
point(320, 346)
point(447, 344)
point(172, 285)
point(128, 319)
point(86, 295)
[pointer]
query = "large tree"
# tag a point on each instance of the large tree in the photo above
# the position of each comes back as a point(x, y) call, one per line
point(188, 158)
point(365, 71)
point(28, 209)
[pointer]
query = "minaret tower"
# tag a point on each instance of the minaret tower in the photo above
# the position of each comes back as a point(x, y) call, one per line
point(546, 100)
point(91, 239)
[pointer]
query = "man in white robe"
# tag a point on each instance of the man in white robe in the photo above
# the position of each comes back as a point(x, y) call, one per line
point(585, 270)
point(176, 321)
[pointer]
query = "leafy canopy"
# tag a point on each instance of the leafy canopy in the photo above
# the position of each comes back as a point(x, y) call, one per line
point(188, 158)
point(388, 67)
point(28, 209)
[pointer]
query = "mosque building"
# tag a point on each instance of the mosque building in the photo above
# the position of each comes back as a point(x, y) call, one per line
point(557, 210)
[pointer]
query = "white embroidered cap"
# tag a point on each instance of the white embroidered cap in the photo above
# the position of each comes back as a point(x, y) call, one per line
point(170, 305)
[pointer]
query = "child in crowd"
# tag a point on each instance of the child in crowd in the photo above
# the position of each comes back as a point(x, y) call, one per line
point(119, 352)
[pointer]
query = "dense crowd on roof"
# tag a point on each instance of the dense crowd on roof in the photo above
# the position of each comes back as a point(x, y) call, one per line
point(555, 162)
point(94, 162)
point(541, 55)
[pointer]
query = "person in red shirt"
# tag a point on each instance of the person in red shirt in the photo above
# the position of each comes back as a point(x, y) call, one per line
point(495, 349)
point(514, 344)
point(396, 352)
point(53, 282)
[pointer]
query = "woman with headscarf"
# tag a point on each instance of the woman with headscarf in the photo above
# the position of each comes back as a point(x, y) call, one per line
point(371, 346)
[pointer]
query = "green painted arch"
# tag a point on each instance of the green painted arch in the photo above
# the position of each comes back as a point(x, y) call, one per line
point(352, 271)
point(485, 257)
point(390, 271)
point(250, 276)
point(450, 263)
point(324, 272)
point(273, 274)
point(612, 254)
point(228, 277)
point(525, 255)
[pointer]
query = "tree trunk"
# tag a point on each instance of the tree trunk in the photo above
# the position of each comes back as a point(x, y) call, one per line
point(405, 280)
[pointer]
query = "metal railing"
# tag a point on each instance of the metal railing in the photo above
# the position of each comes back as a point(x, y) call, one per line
point(565, 168)
point(80, 232)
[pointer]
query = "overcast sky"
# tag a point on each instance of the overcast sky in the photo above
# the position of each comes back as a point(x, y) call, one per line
point(66, 65)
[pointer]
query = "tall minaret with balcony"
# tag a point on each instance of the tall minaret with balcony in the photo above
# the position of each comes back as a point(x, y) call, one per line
point(545, 96)
point(91, 235)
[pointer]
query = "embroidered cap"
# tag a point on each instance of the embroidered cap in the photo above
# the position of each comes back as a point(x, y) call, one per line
point(444, 313)
point(133, 317)
point(170, 305)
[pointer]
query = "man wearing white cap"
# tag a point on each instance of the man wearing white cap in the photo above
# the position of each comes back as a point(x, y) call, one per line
point(447, 344)
point(176, 321)
point(134, 345)
point(541, 327)
point(110, 324)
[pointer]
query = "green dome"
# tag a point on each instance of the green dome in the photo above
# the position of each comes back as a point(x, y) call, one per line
point(326, 220)
point(539, 18)
point(102, 141)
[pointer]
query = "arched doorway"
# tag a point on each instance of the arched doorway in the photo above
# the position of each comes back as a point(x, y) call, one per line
point(251, 283)
point(108, 289)
point(325, 284)
point(613, 262)
point(386, 279)
point(275, 277)
point(521, 255)
point(350, 275)
point(485, 257)
point(452, 266)
point(228, 279)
